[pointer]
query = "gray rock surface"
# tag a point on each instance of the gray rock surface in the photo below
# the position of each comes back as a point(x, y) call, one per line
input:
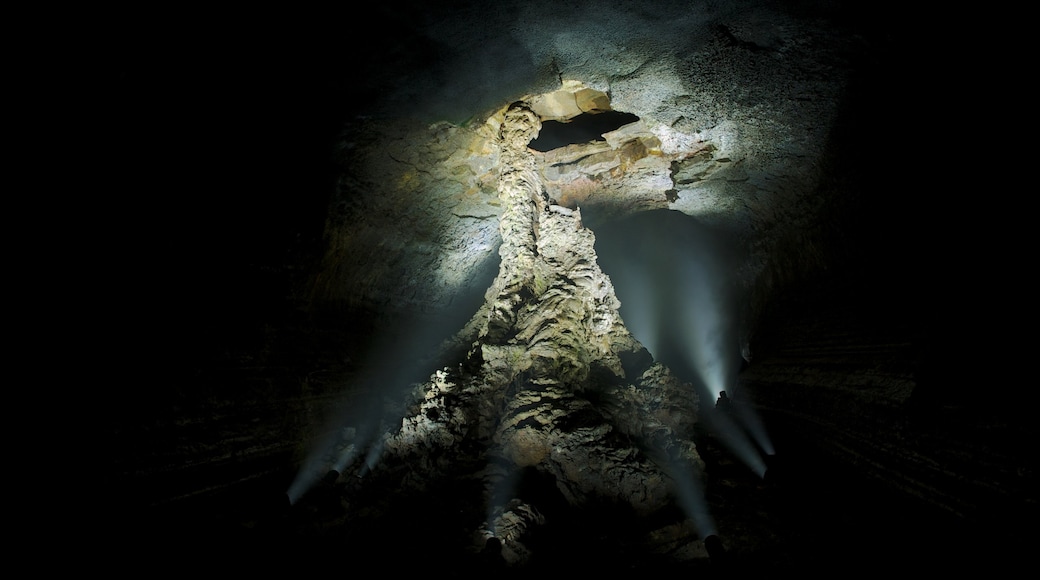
point(735, 108)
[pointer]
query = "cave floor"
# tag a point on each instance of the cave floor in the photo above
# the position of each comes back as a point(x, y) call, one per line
point(809, 514)
point(819, 509)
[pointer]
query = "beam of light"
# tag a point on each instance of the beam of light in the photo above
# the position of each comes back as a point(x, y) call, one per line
point(686, 479)
point(674, 279)
point(366, 420)
point(375, 451)
point(388, 377)
point(692, 500)
point(305, 479)
point(346, 458)
point(339, 448)
point(397, 358)
point(753, 424)
point(734, 438)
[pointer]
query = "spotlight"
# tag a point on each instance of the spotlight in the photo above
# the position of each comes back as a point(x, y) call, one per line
point(716, 551)
point(361, 473)
point(491, 555)
point(331, 477)
point(723, 402)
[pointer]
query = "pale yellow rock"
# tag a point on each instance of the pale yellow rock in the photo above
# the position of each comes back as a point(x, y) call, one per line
point(558, 105)
point(592, 101)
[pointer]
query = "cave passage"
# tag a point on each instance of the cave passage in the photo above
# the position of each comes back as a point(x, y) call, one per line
point(580, 129)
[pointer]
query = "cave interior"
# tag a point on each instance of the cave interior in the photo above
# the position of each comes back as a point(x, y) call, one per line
point(237, 363)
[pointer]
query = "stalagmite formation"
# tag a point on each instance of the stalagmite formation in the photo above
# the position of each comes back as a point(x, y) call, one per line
point(554, 384)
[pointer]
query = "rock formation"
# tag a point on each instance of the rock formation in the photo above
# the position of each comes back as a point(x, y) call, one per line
point(554, 386)
point(544, 380)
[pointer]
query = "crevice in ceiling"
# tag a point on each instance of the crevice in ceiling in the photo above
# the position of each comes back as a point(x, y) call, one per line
point(584, 128)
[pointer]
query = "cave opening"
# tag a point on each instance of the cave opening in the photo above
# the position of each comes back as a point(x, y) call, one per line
point(582, 128)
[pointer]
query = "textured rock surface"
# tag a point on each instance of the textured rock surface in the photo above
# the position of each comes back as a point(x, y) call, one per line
point(734, 121)
point(554, 386)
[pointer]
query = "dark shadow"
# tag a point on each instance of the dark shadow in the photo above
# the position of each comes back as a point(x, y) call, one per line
point(581, 129)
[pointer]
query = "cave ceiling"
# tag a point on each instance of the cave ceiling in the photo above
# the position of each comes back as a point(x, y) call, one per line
point(736, 109)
